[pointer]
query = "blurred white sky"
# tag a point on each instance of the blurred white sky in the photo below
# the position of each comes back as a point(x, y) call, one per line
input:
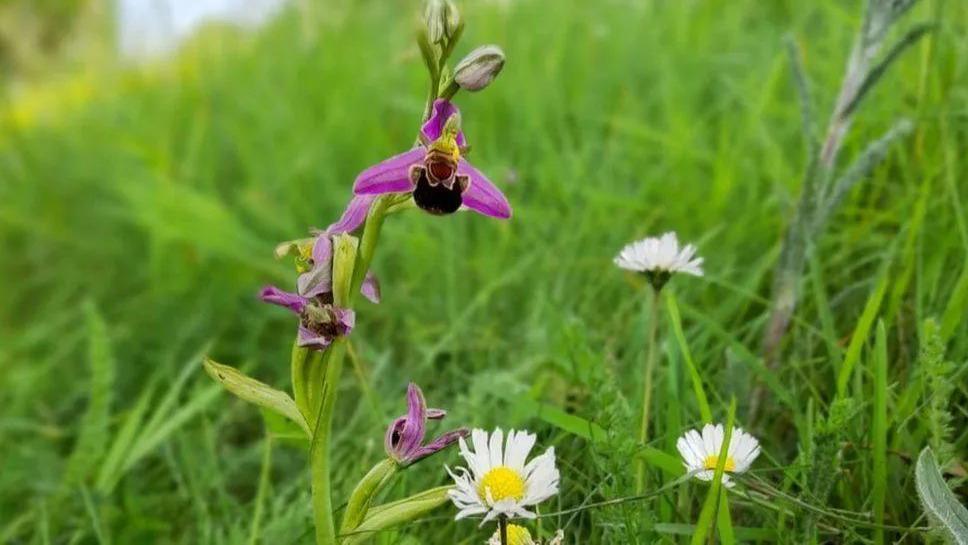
point(153, 28)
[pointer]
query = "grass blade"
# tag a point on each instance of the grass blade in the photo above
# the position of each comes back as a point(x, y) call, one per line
point(880, 430)
point(861, 331)
point(705, 524)
point(676, 321)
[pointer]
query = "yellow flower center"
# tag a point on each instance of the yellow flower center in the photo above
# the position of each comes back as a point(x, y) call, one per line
point(503, 483)
point(712, 461)
point(517, 535)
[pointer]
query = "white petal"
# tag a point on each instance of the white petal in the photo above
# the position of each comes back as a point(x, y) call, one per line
point(519, 446)
point(496, 455)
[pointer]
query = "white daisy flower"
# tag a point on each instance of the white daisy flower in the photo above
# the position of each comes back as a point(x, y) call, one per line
point(519, 535)
point(700, 453)
point(497, 481)
point(659, 258)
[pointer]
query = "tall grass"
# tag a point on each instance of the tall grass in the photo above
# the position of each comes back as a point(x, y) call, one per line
point(160, 195)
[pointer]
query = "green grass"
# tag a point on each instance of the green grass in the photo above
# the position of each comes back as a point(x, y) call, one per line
point(137, 226)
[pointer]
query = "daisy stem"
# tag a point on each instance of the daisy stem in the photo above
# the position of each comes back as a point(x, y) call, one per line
point(647, 389)
point(503, 525)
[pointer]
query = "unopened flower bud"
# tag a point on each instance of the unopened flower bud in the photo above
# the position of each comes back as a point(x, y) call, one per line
point(442, 19)
point(479, 68)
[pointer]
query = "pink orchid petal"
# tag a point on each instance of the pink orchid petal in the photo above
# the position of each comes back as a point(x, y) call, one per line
point(389, 176)
point(434, 127)
point(354, 215)
point(371, 287)
point(483, 196)
point(276, 296)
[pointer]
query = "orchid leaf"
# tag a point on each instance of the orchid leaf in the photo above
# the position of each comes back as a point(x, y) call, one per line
point(256, 392)
point(396, 513)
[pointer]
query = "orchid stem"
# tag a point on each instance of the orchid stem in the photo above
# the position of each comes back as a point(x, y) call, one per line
point(352, 274)
point(647, 389)
point(319, 455)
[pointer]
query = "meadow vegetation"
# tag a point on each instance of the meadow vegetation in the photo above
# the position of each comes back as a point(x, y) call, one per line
point(139, 209)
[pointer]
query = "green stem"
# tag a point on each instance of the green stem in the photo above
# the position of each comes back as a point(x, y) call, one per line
point(260, 497)
point(350, 263)
point(647, 390)
point(319, 455)
point(368, 242)
point(503, 524)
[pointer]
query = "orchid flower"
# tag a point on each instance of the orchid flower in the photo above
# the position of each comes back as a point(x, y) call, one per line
point(405, 436)
point(320, 321)
point(435, 173)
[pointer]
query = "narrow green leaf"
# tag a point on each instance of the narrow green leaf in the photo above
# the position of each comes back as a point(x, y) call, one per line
point(663, 460)
point(110, 471)
point(256, 392)
point(705, 524)
point(957, 307)
point(861, 332)
point(725, 521)
point(938, 501)
point(399, 512)
point(880, 430)
point(676, 321)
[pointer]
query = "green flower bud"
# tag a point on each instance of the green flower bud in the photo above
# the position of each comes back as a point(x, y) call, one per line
point(479, 68)
point(442, 19)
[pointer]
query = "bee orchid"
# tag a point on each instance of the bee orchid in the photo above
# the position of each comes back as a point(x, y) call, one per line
point(320, 321)
point(435, 172)
point(405, 436)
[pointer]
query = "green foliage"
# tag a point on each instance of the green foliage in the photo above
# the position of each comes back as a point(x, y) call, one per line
point(93, 429)
point(159, 193)
point(938, 391)
point(941, 506)
point(823, 460)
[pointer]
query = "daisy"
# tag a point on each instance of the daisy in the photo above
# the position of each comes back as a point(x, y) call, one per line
point(519, 535)
point(659, 258)
point(700, 453)
point(497, 481)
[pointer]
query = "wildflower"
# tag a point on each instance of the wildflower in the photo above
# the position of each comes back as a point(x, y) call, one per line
point(700, 453)
point(519, 535)
point(660, 258)
point(479, 68)
point(437, 175)
point(405, 436)
point(497, 481)
point(320, 321)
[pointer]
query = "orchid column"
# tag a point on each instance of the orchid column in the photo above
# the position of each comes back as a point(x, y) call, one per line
point(334, 266)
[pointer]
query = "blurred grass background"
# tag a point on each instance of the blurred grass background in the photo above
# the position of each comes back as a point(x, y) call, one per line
point(139, 206)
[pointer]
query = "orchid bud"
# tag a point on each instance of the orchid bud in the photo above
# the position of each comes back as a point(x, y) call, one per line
point(479, 68)
point(442, 19)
